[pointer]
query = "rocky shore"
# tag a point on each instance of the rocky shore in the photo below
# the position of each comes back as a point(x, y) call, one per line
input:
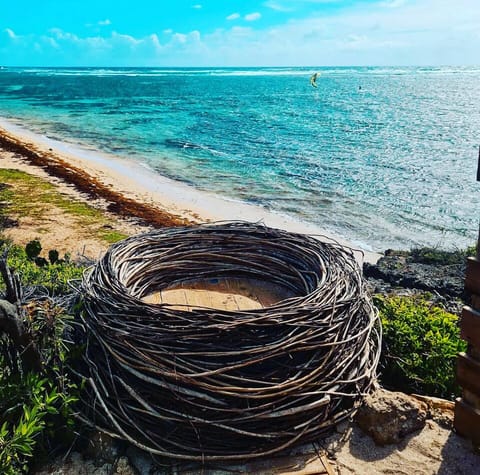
point(440, 273)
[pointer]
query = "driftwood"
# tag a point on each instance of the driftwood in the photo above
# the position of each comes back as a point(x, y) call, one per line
point(11, 321)
point(208, 384)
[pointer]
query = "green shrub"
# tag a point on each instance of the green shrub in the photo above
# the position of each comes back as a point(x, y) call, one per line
point(30, 410)
point(53, 275)
point(432, 255)
point(36, 409)
point(420, 345)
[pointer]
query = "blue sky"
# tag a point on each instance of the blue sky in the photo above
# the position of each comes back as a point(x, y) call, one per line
point(239, 33)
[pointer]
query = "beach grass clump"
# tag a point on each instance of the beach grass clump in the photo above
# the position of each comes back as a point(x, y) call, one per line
point(420, 346)
point(24, 195)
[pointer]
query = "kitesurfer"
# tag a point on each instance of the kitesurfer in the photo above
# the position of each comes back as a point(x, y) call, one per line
point(313, 79)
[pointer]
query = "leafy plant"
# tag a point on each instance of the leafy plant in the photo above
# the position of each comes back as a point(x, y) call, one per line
point(53, 256)
point(33, 249)
point(28, 410)
point(36, 408)
point(421, 342)
point(53, 275)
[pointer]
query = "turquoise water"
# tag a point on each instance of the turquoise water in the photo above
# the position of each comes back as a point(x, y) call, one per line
point(382, 156)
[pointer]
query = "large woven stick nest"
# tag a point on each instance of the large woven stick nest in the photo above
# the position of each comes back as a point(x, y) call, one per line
point(209, 384)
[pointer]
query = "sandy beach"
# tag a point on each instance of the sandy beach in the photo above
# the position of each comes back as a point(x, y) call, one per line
point(133, 190)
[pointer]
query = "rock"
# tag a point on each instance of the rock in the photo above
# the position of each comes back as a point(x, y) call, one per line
point(140, 460)
point(102, 448)
point(123, 467)
point(74, 465)
point(440, 410)
point(404, 273)
point(401, 269)
point(389, 416)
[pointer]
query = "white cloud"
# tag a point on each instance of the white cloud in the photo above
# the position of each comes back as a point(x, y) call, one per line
point(194, 35)
point(393, 3)
point(363, 42)
point(59, 34)
point(253, 16)
point(155, 41)
point(11, 34)
point(277, 6)
point(48, 40)
point(180, 38)
point(241, 31)
point(105, 22)
point(197, 6)
point(126, 40)
point(425, 32)
point(233, 16)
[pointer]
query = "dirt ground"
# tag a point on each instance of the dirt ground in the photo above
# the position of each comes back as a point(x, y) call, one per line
point(58, 229)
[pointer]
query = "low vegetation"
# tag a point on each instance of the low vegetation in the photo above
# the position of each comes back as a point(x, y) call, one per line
point(36, 404)
point(432, 255)
point(36, 407)
point(421, 343)
point(53, 274)
point(26, 196)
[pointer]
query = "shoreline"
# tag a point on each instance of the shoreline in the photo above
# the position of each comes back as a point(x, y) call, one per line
point(133, 191)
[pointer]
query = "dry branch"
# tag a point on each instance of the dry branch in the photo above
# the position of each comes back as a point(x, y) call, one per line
point(11, 321)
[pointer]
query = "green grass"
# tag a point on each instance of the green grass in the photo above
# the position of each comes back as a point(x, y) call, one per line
point(112, 236)
point(28, 196)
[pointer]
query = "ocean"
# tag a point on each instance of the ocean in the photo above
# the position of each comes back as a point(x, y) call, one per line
point(384, 157)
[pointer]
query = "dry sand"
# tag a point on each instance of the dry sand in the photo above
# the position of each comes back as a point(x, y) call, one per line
point(433, 450)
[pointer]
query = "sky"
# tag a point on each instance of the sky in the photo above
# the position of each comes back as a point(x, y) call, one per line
point(182, 33)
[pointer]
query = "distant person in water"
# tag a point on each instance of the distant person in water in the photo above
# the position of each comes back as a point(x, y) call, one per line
point(313, 79)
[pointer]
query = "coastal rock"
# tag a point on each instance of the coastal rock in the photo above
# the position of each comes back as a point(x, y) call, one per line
point(389, 416)
point(123, 467)
point(75, 465)
point(102, 448)
point(403, 273)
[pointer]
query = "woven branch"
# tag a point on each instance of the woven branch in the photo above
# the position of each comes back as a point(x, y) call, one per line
point(211, 384)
